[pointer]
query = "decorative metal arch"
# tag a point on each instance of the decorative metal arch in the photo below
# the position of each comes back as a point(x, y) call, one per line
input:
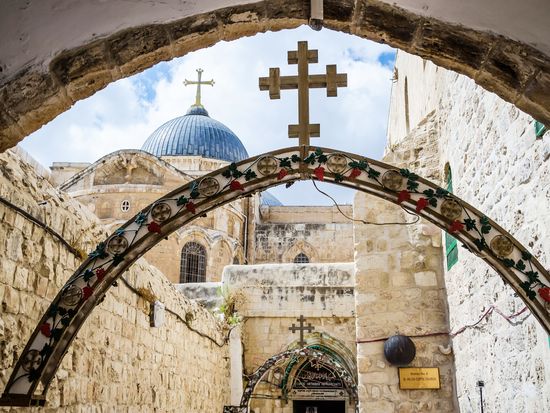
point(317, 353)
point(84, 290)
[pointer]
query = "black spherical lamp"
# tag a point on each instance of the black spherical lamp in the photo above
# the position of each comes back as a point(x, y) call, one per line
point(399, 350)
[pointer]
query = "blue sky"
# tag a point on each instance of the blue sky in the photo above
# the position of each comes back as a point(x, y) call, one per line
point(125, 113)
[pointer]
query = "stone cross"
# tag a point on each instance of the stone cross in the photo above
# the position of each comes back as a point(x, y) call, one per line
point(309, 328)
point(303, 82)
point(198, 82)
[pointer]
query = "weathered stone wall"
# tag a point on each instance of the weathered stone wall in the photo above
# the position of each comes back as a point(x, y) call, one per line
point(321, 233)
point(503, 170)
point(274, 296)
point(399, 290)
point(117, 363)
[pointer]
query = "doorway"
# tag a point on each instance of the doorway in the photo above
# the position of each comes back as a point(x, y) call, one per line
point(319, 406)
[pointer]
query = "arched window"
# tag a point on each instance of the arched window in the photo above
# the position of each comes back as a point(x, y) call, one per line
point(301, 258)
point(451, 246)
point(193, 263)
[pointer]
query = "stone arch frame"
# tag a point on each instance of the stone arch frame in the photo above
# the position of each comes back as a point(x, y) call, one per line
point(32, 96)
point(84, 290)
point(308, 353)
point(301, 246)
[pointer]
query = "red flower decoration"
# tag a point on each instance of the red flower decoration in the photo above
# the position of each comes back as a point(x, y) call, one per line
point(46, 329)
point(456, 226)
point(100, 273)
point(421, 204)
point(355, 172)
point(282, 173)
point(190, 206)
point(87, 292)
point(154, 227)
point(236, 186)
point(544, 292)
point(319, 173)
point(404, 195)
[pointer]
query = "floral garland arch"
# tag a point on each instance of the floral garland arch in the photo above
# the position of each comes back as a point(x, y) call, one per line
point(57, 328)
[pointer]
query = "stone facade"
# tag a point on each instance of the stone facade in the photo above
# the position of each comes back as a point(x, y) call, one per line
point(498, 165)
point(281, 233)
point(399, 290)
point(117, 363)
point(273, 297)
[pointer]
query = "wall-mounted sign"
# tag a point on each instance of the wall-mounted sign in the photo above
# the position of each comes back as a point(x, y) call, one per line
point(413, 378)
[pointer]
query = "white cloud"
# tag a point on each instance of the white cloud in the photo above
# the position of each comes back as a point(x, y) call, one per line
point(125, 113)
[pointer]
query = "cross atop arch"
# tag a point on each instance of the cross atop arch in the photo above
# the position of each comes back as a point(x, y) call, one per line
point(198, 82)
point(303, 82)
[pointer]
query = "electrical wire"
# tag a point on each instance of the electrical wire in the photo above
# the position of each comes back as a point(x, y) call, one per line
point(487, 313)
point(361, 220)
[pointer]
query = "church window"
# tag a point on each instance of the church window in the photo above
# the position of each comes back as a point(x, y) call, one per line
point(193, 263)
point(125, 206)
point(451, 245)
point(301, 258)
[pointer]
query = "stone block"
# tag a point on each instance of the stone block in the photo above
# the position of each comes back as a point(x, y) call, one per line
point(425, 279)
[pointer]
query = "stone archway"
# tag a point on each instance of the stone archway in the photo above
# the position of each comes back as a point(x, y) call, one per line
point(88, 285)
point(32, 95)
point(318, 353)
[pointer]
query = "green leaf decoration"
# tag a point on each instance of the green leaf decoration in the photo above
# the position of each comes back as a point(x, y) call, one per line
point(250, 174)
point(520, 265)
point(509, 263)
point(285, 162)
point(480, 244)
point(429, 193)
point(373, 173)
point(65, 321)
point(52, 312)
point(338, 177)
point(318, 151)
point(99, 252)
point(353, 164)
point(526, 255)
point(182, 201)
point(470, 224)
point(433, 202)
point(117, 259)
point(526, 286)
point(533, 276)
point(485, 229)
point(56, 333)
point(119, 232)
point(226, 174)
point(412, 185)
point(405, 172)
point(141, 218)
point(61, 311)
point(310, 160)
point(45, 351)
point(295, 158)
point(322, 158)
point(194, 193)
point(441, 193)
point(484, 220)
point(88, 275)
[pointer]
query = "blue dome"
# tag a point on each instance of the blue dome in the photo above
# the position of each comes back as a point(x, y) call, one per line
point(197, 134)
point(269, 199)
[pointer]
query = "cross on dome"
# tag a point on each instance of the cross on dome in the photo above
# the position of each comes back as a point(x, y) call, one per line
point(198, 82)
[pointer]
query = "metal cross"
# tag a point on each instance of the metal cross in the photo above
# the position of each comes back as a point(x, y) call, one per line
point(309, 328)
point(198, 82)
point(303, 82)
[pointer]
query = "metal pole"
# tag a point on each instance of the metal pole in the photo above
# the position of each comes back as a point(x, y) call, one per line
point(481, 384)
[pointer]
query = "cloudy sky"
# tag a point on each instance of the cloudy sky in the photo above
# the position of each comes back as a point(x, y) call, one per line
point(125, 113)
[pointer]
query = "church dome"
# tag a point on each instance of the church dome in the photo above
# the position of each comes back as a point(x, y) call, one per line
point(196, 134)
